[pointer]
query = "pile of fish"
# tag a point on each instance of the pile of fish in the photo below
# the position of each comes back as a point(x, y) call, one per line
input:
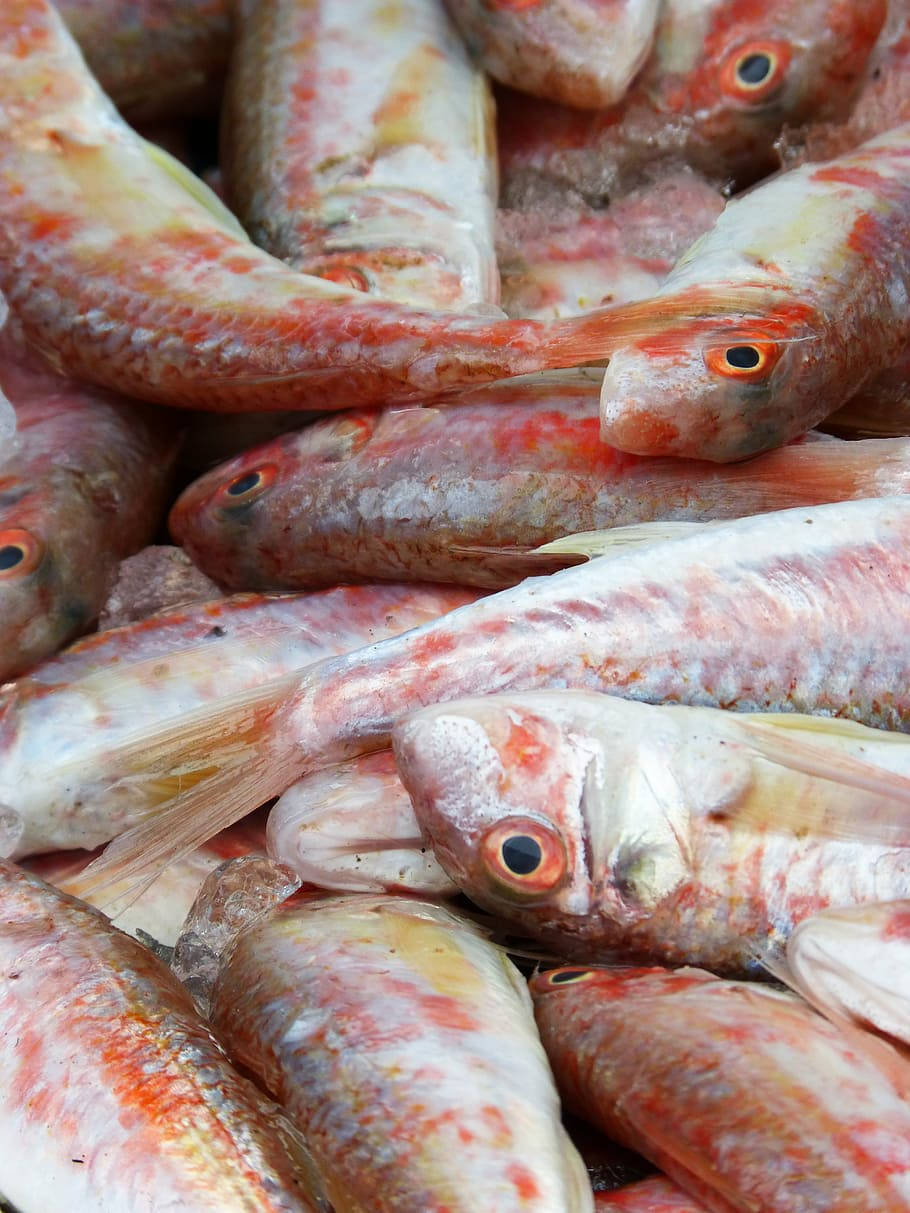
point(499, 802)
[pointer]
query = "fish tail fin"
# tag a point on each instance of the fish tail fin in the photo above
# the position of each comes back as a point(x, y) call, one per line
point(209, 768)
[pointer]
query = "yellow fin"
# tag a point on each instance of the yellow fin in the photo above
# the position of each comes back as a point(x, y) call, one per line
point(196, 188)
point(617, 540)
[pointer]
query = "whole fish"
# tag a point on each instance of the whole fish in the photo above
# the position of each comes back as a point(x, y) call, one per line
point(86, 484)
point(792, 611)
point(579, 52)
point(740, 1093)
point(448, 494)
point(353, 827)
point(656, 1195)
point(116, 1095)
point(154, 58)
point(722, 81)
point(687, 835)
point(84, 749)
point(851, 964)
point(131, 273)
point(359, 146)
point(775, 317)
point(402, 1043)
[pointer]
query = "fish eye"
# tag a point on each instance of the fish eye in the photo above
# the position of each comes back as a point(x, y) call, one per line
point(747, 362)
point(248, 486)
point(20, 554)
point(344, 275)
point(526, 856)
point(565, 977)
point(753, 72)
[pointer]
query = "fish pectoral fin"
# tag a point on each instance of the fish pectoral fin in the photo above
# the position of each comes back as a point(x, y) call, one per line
point(616, 541)
point(515, 562)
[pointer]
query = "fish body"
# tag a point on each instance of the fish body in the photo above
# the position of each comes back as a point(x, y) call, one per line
point(131, 273)
point(851, 964)
point(578, 52)
point(656, 1195)
point(740, 1093)
point(79, 759)
point(116, 1096)
point(687, 835)
point(154, 58)
point(359, 147)
point(816, 264)
point(85, 485)
point(402, 1043)
point(446, 494)
point(352, 827)
point(722, 81)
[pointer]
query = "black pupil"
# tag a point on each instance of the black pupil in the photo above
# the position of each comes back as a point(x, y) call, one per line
point(10, 556)
point(754, 69)
point(569, 975)
point(743, 357)
point(244, 484)
point(522, 854)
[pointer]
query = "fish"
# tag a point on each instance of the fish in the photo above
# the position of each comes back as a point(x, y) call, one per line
point(655, 1195)
point(402, 1043)
point(358, 146)
point(609, 828)
point(880, 409)
point(444, 494)
point(352, 827)
point(561, 261)
point(850, 963)
point(816, 260)
point(791, 611)
point(126, 270)
point(583, 53)
point(86, 485)
point(154, 58)
point(722, 81)
point(84, 749)
point(116, 1095)
point(741, 1093)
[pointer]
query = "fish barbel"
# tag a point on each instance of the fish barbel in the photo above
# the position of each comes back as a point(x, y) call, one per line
point(578, 52)
point(740, 1093)
point(851, 964)
point(129, 272)
point(608, 827)
point(83, 739)
point(86, 484)
point(116, 1096)
point(402, 1043)
point(655, 1195)
point(818, 261)
point(722, 81)
point(154, 58)
point(358, 145)
point(464, 493)
point(791, 611)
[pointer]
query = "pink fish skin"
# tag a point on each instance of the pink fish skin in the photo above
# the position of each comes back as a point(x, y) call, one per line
point(579, 52)
point(87, 485)
point(722, 81)
point(443, 494)
point(116, 1094)
point(656, 1195)
point(134, 275)
point(741, 1094)
point(154, 58)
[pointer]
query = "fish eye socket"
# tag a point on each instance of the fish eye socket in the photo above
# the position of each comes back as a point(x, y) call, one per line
point(20, 553)
point(344, 275)
point(565, 977)
point(246, 487)
point(743, 357)
point(747, 362)
point(525, 857)
point(11, 555)
point(243, 485)
point(753, 70)
point(752, 73)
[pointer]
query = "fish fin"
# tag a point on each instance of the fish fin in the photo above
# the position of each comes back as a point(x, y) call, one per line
point(515, 562)
point(253, 762)
point(774, 739)
point(195, 187)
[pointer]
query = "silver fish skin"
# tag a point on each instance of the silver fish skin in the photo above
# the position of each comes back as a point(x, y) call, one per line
point(116, 1096)
point(401, 1042)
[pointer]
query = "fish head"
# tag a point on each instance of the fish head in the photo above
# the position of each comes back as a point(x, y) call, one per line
point(226, 517)
point(717, 387)
point(739, 71)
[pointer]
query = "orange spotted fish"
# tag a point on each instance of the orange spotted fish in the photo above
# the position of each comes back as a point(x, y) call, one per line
point(129, 272)
point(655, 1195)
point(579, 52)
point(402, 1043)
point(359, 146)
point(116, 1095)
point(742, 1094)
